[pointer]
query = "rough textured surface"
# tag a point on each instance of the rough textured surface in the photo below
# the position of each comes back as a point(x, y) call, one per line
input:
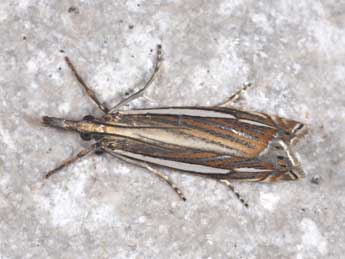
point(293, 51)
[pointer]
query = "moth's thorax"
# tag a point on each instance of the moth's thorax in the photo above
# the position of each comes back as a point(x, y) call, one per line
point(91, 127)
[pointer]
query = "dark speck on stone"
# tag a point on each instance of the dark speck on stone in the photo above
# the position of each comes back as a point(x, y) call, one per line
point(316, 179)
point(130, 26)
point(73, 9)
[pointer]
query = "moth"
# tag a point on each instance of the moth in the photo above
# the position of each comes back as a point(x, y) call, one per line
point(218, 142)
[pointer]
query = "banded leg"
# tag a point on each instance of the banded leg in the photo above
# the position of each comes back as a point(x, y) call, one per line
point(87, 89)
point(162, 176)
point(73, 159)
point(232, 188)
point(233, 98)
point(141, 91)
point(167, 180)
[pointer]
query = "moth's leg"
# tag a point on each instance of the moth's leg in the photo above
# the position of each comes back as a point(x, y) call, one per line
point(162, 176)
point(232, 188)
point(233, 98)
point(87, 89)
point(73, 159)
point(167, 180)
point(141, 91)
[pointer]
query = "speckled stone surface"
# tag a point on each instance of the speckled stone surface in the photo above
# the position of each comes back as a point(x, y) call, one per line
point(292, 51)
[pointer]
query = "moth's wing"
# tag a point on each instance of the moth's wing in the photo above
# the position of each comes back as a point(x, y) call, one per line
point(235, 132)
point(245, 135)
point(292, 130)
point(289, 130)
point(208, 164)
point(172, 156)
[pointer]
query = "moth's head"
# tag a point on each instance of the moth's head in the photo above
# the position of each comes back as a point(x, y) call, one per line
point(86, 135)
point(86, 127)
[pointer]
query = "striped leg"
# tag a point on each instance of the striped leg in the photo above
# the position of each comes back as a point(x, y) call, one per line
point(233, 98)
point(73, 159)
point(87, 89)
point(141, 91)
point(167, 180)
point(162, 176)
point(232, 188)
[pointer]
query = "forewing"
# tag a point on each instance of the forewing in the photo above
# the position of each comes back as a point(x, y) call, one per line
point(215, 142)
point(200, 162)
point(235, 132)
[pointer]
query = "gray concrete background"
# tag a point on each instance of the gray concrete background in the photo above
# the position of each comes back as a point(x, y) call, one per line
point(293, 52)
